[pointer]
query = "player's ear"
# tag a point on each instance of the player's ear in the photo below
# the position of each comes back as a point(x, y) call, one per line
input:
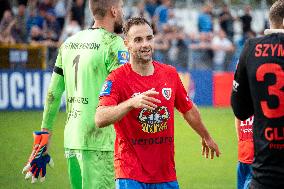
point(113, 11)
point(125, 42)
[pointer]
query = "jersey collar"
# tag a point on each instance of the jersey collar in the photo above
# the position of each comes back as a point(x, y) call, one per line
point(270, 31)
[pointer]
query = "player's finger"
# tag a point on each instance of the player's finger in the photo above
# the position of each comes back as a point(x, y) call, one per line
point(34, 180)
point(148, 103)
point(28, 175)
point(151, 92)
point(206, 151)
point(212, 153)
point(150, 107)
point(151, 99)
point(203, 150)
point(26, 168)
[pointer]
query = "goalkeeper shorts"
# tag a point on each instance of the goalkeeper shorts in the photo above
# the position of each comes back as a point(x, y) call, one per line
point(90, 169)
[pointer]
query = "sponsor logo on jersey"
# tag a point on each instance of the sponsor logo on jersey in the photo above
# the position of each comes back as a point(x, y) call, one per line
point(73, 114)
point(153, 121)
point(152, 141)
point(79, 100)
point(235, 86)
point(245, 129)
point(106, 88)
point(167, 93)
point(123, 57)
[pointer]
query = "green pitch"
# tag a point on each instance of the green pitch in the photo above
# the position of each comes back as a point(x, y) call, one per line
point(193, 171)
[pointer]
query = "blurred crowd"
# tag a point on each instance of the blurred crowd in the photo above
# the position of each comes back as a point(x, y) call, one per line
point(50, 22)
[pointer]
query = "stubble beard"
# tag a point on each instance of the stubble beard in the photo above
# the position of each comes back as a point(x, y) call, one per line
point(117, 28)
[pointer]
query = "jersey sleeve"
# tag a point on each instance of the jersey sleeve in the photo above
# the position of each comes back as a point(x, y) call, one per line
point(241, 101)
point(54, 94)
point(182, 101)
point(109, 94)
point(117, 54)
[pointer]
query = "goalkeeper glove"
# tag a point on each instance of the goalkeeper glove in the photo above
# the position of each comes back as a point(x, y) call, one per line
point(38, 159)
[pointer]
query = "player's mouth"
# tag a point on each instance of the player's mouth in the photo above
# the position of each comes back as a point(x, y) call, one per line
point(146, 51)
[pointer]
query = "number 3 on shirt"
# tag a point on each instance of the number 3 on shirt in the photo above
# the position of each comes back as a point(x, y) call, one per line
point(276, 89)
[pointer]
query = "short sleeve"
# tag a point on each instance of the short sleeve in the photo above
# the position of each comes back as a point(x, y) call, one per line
point(182, 101)
point(117, 54)
point(109, 94)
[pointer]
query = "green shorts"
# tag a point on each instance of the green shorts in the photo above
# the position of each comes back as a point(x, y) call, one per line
point(90, 169)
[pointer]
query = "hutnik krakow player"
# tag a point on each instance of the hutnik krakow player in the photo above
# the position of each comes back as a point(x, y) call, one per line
point(140, 97)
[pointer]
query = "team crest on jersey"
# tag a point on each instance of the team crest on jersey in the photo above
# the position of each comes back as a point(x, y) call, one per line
point(167, 93)
point(153, 121)
point(123, 57)
point(106, 88)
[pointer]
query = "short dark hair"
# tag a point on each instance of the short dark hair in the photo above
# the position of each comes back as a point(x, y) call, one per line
point(276, 13)
point(135, 21)
point(99, 7)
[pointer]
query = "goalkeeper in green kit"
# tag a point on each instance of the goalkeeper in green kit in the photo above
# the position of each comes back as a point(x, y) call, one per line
point(83, 63)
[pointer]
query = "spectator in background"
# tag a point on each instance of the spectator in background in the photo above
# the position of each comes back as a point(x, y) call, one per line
point(226, 22)
point(36, 36)
point(60, 12)
point(45, 5)
point(52, 33)
point(71, 28)
point(221, 45)
point(34, 19)
point(6, 20)
point(182, 45)
point(246, 19)
point(205, 23)
point(239, 44)
point(19, 30)
point(201, 52)
point(139, 11)
point(5, 5)
point(6, 25)
point(161, 46)
point(162, 14)
point(78, 12)
point(150, 7)
point(52, 28)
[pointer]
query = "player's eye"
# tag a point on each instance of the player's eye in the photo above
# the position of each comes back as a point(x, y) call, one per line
point(149, 38)
point(138, 39)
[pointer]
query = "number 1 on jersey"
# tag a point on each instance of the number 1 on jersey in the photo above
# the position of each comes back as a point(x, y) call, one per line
point(75, 63)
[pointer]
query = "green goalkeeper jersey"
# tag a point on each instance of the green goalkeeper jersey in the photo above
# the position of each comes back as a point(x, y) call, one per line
point(83, 63)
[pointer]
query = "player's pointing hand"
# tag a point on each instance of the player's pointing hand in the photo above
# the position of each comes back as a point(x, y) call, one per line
point(146, 100)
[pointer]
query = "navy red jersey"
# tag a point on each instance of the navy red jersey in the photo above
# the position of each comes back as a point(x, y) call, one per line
point(144, 145)
point(245, 141)
point(258, 88)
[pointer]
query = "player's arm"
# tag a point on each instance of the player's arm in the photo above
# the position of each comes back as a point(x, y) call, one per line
point(237, 123)
point(54, 94)
point(193, 118)
point(107, 115)
point(241, 101)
